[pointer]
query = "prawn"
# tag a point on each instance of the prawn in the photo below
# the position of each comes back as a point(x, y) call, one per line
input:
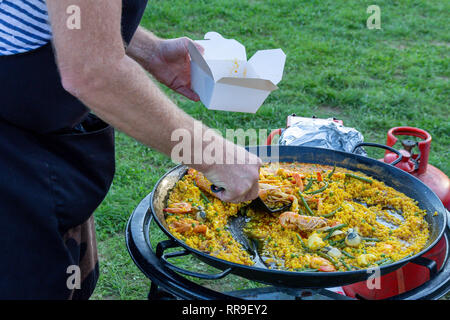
point(200, 181)
point(180, 207)
point(180, 226)
point(292, 220)
point(273, 194)
point(322, 264)
point(387, 248)
point(186, 225)
point(298, 180)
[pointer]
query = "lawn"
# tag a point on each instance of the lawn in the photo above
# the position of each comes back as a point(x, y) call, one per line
point(336, 67)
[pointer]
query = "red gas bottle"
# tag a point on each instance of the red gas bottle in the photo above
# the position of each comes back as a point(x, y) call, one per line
point(417, 163)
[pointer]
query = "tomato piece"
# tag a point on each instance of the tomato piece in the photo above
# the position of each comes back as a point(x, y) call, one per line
point(319, 176)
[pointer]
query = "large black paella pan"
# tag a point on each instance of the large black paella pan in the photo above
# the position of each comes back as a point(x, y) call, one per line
point(386, 173)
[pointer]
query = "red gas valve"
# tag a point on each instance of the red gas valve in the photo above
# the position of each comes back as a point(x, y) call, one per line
point(417, 163)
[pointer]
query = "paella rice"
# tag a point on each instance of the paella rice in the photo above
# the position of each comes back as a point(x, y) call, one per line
point(338, 220)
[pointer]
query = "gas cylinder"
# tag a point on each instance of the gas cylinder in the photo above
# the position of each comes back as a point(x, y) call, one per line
point(415, 160)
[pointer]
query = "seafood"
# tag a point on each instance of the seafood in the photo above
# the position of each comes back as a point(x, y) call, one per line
point(200, 181)
point(273, 196)
point(298, 180)
point(180, 207)
point(322, 264)
point(292, 220)
point(315, 241)
point(186, 225)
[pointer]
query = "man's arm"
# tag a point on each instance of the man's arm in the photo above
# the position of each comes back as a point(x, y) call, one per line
point(95, 68)
point(144, 47)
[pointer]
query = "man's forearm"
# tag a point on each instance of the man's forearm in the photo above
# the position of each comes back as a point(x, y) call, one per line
point(143, 47)
point(123, 95)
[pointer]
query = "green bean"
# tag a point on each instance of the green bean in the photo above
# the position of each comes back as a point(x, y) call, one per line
point(332, 229)
point(332, 172)
point(306, 270)
point(337, 242)
point(348, 254)
point(345, 264)
point(205, 197)
point(318, 190)
point(329, 258)
point(379, 262)
point(354, 176)
point(308, 209)
point(202, 194)
point(309, 185)
point(302, 243)
point(331, 213)
point(341, 245)
point(386, 262)
point(370, 239)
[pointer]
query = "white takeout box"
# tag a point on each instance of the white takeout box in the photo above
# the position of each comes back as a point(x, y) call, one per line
point(225, 80)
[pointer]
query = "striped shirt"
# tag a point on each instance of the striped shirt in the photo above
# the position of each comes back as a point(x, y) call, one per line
point(24, 26)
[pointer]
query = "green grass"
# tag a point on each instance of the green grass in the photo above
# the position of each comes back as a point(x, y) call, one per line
point(335, 67)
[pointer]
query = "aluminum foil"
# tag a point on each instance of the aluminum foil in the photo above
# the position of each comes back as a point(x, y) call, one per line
point(322, 133)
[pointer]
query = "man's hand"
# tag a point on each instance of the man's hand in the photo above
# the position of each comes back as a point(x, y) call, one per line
point(173, 68)
point(167, 60)
point(240, 181)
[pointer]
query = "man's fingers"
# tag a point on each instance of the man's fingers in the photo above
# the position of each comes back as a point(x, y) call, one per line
point(240, 195)
point(253, 193)
point(188, 93)
point(199, 47)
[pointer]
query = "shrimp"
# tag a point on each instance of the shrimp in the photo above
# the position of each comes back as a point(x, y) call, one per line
point(201, 181)
point(201, 228)
point(317, 202)
point(287, 173)
point(292, 220)
point(185, 225)
point(387, 248)
point(181, 207)
point(272, 194)
point(180, 226)
point(322, 264)
point(294, 206)
point(298, 180)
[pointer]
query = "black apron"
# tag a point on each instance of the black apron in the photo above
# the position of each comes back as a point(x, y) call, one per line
point(56, 166)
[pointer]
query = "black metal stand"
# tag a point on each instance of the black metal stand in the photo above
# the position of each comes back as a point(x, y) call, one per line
point(168, 284)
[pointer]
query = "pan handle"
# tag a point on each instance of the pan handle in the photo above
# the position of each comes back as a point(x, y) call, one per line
point(163, 245)
point(431, 265)
point(377, 145)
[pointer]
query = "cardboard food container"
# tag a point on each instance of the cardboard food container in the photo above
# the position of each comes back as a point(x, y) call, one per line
point(225, 80)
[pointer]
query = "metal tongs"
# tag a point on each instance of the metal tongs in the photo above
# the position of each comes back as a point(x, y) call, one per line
point(257, 203)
